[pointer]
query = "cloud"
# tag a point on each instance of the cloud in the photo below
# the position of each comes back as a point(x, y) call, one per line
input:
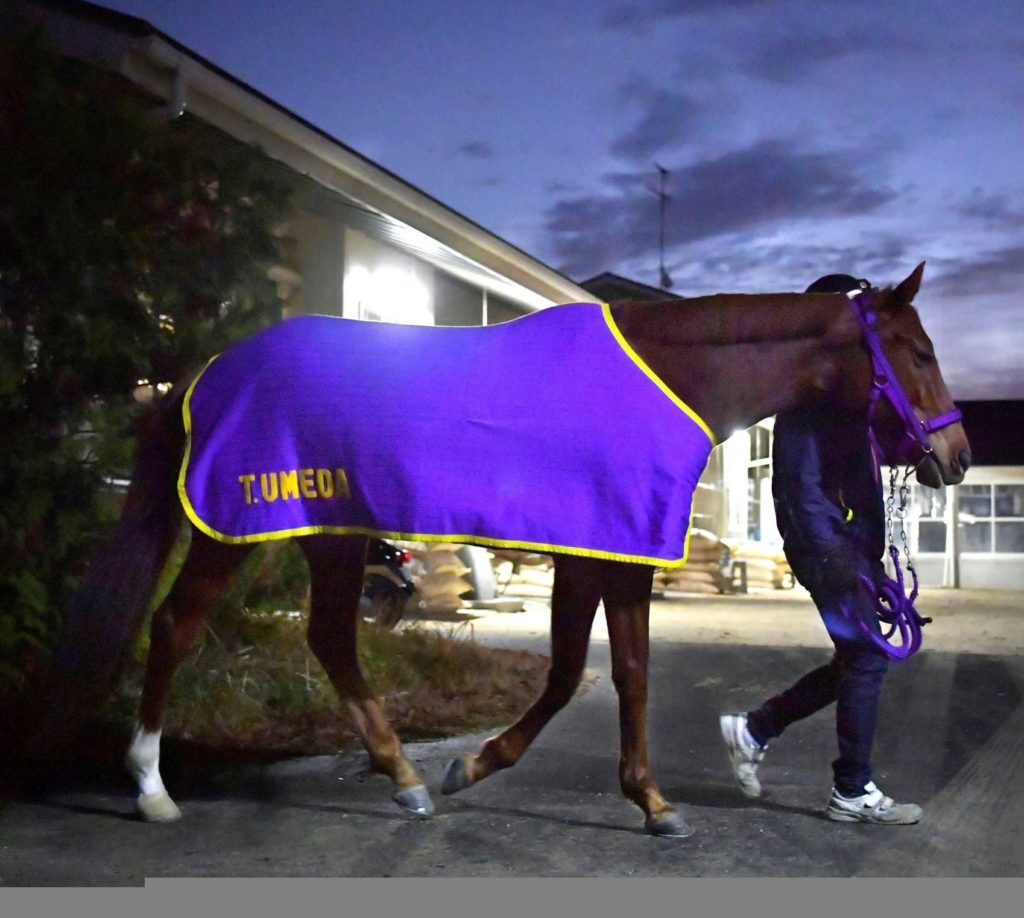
point(882, 259)
point(668, 117)
point(475, 149)
point(636, 16)
point(998, 271)
point(792, 57)
point(750, 188)
point(561, 186)
point(996, 210)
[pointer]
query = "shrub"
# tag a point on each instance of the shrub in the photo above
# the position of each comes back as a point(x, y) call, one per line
point(132, 249)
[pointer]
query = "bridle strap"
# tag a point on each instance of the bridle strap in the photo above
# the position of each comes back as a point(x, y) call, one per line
point(885, 382)
point(894, 609)
point(942, 420)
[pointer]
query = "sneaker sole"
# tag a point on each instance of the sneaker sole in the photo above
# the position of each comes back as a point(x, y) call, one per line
point(845, 816)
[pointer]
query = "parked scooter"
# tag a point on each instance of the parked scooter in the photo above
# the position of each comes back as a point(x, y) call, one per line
point(389, 590)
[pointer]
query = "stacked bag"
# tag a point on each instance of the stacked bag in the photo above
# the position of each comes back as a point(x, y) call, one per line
point(706, 569)
point(767, 567)
point(522, 573)
point(440, 577)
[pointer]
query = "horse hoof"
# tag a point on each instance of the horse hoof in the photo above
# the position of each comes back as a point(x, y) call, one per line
point(669, 825)
point(456, 779)
point(157, 808)
point(415, 800)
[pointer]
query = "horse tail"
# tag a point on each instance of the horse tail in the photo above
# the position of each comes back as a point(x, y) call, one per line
point(105, 615)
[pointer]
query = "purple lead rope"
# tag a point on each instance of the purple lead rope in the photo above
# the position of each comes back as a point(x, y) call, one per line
point(893, 609)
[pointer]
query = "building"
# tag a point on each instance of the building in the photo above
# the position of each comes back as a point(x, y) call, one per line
point(972, 534)
point(365, 243)
point(609, 288)
point(968, 535)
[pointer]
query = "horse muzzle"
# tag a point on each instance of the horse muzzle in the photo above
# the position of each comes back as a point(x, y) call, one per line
point(931, 473)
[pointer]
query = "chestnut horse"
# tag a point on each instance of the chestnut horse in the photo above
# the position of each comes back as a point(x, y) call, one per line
point(733, 359)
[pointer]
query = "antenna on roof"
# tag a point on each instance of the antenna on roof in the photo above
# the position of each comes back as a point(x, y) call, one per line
point(664, 281)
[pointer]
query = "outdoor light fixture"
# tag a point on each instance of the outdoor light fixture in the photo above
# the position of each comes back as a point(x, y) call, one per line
point(388, 294)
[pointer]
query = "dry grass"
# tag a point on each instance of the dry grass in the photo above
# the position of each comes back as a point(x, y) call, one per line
point(253, 688)
point(263, 690)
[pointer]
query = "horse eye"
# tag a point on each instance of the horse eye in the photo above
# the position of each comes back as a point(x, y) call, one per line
point(921, 358)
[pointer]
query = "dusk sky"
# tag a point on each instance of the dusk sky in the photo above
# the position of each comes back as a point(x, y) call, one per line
point(801, 138)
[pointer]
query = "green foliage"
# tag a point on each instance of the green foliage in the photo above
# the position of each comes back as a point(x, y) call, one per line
point(131, 249)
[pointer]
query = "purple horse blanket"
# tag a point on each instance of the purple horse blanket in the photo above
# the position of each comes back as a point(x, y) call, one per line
point(547, 433)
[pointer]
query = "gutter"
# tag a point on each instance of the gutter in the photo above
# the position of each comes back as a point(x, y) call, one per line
point(250, 119)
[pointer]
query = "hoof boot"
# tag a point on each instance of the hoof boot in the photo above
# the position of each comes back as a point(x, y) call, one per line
point(456, 779)
point(668, 825)
point(157, 807)
point(415, 800)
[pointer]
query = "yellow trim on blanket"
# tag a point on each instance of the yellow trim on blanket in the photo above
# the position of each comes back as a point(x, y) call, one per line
point(186, 418)
point(256, 538)
point(606, 311)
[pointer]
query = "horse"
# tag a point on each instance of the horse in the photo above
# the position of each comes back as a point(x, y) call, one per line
point(730, 360)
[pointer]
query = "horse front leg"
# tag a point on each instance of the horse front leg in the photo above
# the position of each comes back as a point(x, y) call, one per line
point(336, 574)
point(627, 603)
point(574, 598)
point(173, 632)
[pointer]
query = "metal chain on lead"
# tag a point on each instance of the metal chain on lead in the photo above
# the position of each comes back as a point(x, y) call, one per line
point(893, 607)
point(903, 513)
point(898, 511)
point(890, 505)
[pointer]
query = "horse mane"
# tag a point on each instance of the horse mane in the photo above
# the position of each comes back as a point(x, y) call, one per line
point(746, 318)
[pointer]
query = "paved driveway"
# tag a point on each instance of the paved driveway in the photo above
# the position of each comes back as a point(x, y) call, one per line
point(951, 737)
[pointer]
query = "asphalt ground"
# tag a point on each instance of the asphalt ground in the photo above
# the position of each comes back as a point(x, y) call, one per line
point(950, 737)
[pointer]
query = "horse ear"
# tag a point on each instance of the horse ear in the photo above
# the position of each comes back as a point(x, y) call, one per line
point(904, 294)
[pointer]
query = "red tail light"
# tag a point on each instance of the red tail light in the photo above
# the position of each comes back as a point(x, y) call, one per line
point(405, 556)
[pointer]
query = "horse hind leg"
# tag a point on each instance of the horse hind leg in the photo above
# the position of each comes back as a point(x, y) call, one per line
point(627, 600)
point(175, 627)
point(336, 573)
point(574, 600)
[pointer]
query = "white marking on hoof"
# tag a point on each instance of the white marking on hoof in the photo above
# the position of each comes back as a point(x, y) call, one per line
point(143, 760)
point(158, 807)
point(415, 800)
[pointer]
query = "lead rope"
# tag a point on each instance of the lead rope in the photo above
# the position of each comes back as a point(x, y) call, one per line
point(894, 609)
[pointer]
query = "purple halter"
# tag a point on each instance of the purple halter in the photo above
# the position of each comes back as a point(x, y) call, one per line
point(886, 383)
point(893, 607)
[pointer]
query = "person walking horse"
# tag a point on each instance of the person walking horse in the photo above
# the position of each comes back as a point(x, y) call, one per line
point(829, 507)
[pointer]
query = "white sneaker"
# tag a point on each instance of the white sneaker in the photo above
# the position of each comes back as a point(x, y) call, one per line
point(744, 754)
point(872, 806)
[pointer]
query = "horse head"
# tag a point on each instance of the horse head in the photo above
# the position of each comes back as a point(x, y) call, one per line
point(929, 433)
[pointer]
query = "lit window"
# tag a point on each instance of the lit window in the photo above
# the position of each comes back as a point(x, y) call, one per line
point(390, 291)
point(928, 507)
point(992, 518)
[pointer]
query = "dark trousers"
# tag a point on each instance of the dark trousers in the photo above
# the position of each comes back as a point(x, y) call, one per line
point(852, 679)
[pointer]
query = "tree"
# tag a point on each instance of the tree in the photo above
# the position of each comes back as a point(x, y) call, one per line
point(132, 249)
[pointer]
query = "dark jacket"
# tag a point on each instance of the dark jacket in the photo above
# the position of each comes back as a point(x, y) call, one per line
point(827, 493)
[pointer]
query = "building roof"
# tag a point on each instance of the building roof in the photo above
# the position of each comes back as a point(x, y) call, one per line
point(995, 429)
point(610, 287)
point(170, 71)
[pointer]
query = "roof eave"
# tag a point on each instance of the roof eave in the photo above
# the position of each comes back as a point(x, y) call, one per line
point(154, 63)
